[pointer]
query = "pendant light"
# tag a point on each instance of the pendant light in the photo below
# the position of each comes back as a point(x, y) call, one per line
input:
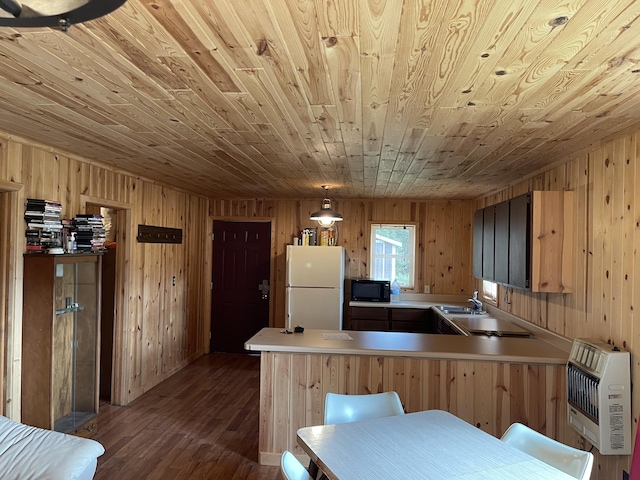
point(326, 216)
point(53, 13)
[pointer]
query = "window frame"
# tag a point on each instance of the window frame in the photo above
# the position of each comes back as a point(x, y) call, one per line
point(413, 257)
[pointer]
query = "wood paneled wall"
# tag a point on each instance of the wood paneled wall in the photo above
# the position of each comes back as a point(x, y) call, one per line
point(490, 395)
point(162, 326)
point(605, 303)
point(165, 326)
point(443, 236)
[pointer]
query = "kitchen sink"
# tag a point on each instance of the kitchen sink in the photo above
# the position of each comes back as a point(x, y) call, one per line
point(489, 326)
point(454, 309)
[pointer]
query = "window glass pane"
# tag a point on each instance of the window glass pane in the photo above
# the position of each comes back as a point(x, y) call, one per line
point(490, 291)
point(392, 253)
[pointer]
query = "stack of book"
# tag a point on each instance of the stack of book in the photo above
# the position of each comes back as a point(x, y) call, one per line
point(90, 232)
point(44, 228)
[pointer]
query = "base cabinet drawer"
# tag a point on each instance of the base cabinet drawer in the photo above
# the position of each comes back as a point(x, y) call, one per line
point(370, 313)
point(411, 327)
point(370, 318)
point(412, 320)
point(370, 325)
point(383, 319)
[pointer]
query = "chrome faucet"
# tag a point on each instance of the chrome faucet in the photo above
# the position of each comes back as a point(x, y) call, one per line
point(477, 304)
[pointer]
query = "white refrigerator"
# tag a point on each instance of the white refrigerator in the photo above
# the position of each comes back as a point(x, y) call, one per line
point(315, 287)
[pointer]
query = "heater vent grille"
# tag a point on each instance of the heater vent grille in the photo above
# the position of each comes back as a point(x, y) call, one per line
point(599, 395)
point(582, 391)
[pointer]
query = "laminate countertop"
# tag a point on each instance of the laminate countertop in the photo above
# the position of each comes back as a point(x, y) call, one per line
point(418, 345)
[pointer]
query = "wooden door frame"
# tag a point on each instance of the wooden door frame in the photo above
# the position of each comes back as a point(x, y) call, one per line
point(121, 320)
point(11, 262)
point(272, 275)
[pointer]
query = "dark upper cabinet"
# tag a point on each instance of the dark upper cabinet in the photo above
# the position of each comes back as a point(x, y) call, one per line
point(478, 231)
point(525, 242)
point(501, 258)
point(488, 242)
point(519, 238)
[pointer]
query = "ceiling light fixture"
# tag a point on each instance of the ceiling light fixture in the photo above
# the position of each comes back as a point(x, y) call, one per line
point(53, 13)
point(326, 216)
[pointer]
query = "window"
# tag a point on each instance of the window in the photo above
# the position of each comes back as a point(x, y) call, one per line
point(392, 253)
point(490, 292)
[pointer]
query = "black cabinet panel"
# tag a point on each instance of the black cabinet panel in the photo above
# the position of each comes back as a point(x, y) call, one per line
point(501, 242)
point(478, 228)
point(520, 241)
point(488, 243)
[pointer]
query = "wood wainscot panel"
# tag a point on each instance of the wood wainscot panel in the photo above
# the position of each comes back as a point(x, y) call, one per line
point(162, 323)
point(490, 395)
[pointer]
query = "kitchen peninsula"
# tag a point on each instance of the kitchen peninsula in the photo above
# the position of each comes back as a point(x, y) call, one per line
point(490, 382)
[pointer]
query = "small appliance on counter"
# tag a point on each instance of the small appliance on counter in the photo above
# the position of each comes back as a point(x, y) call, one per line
point(366, 290)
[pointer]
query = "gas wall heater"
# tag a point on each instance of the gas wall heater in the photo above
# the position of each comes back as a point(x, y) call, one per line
point(599, 395)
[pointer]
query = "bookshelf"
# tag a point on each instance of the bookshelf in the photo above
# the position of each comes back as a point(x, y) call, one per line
point(47, 232)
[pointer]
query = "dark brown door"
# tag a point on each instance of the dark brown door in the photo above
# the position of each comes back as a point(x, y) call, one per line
point(240, 297)
point(107, 305)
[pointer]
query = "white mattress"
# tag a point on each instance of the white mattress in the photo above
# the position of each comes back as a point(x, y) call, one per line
point(33, 453)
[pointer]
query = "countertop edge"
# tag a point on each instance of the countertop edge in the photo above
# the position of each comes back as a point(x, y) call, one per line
point(420, 301)
point(419, 345)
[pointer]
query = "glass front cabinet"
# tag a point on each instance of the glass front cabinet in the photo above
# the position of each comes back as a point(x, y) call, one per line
point(60, 349)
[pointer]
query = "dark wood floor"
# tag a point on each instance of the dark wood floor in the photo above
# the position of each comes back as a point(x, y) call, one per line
point(202, 423)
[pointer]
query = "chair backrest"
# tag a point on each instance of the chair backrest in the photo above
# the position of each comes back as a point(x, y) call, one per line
point(340, 408)
point(292, 469)
point(572, 461)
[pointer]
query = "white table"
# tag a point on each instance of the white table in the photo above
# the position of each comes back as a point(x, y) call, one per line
point(425, 445)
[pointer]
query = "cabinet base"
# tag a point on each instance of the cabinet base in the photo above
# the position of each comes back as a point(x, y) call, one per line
point(82, 424)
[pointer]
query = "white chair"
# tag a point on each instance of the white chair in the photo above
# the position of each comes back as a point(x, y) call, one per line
point(341, 408)
point(292, 469)
point(571, 461)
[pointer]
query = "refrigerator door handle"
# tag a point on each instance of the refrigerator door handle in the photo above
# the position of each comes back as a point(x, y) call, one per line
point(287, 299)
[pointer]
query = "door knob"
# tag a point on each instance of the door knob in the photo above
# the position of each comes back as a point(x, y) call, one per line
point(264, 289)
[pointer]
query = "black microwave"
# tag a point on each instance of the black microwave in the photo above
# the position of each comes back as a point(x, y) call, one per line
point(365, 290)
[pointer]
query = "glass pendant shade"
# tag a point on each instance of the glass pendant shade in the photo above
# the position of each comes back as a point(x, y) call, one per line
point(53, 13)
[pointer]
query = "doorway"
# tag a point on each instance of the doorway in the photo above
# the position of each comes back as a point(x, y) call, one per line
point(107, 303)
point(4, 297)
point(240, 293)
point(115, 292)
point(11, 252)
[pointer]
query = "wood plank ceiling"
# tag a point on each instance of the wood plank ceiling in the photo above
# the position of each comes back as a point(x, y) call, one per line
point(377, 98)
